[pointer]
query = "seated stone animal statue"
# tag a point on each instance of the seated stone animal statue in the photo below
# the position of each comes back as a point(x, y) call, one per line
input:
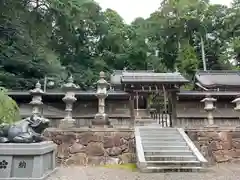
point(28, 130)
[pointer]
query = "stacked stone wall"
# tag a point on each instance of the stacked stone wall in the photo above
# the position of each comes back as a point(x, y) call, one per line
point(93, 147)
point(117, 146)
point(217, 145)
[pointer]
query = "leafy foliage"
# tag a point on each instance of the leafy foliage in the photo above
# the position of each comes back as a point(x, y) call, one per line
point(56, 37)
point(9, 111)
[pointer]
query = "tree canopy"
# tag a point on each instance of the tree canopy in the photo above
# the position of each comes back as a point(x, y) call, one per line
point(57, 37)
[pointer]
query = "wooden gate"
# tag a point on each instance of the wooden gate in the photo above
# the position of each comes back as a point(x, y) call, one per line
point(161, 109)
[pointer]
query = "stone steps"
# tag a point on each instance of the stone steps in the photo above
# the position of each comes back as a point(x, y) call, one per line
point(172, 169)
point(168, 152)
point(164, 143)
point(172, 147)
point(145, 121)
point(154, 133)
point(162, 138)
point(170, 157)
point(174, 163)
point(160, 149)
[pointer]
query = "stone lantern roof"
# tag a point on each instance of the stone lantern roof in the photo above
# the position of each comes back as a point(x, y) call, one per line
point(70, 85)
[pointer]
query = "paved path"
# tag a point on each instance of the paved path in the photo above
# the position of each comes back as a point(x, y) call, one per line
point(220, 172)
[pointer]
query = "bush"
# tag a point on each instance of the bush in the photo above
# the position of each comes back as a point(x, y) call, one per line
point(9, 110)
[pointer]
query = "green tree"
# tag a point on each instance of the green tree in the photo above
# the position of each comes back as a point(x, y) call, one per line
point(24, 36)
point(9, 111)
point(187, 61)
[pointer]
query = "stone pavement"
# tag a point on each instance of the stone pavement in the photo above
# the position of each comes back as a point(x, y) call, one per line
point(220, 172)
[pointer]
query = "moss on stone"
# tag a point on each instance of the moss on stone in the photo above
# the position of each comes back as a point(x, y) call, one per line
point(129, 166)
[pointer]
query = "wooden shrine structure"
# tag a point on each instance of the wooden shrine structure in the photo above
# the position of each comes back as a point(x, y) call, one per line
point(140, 94)
point(145, 83)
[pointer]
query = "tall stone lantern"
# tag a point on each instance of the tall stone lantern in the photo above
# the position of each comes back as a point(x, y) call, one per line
point(237, 101)
point(69, 99)
point(101, 118)
point(36, 102)
point(209, 108)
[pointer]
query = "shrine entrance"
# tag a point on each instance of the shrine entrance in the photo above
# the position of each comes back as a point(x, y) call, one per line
point(156, 92)
point(161, 109)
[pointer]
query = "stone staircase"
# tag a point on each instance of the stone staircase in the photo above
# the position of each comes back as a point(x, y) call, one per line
point(145, 121)
point(166, 149)
point(143, 118)
point(163, 121)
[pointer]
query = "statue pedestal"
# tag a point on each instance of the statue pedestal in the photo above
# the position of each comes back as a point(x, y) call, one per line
point(33, 161)
point(101, 120)
point(67, 123)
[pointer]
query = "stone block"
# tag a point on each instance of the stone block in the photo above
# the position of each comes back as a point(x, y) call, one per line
point(34, 161)
point(192, 135)
point(209, 135)
point(236, 143)
point(85, 138)
point(114, 151)
point(77, 159)
point(77, 148)
point(225, 136)
point(237, 154)
point(127, 158)
point(229, 153)
point(226, 145)
point(219, 157)
point(95, 149)
point(236, 134)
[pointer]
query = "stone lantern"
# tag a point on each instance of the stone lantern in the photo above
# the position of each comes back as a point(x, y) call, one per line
point(36, 102)
point(68, 99)
point(237, 101)
point(101, 118)
point(209, 108)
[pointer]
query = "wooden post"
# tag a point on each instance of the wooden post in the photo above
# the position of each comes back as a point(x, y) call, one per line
point(137, 102)
point(131, 107)
point(174, 108)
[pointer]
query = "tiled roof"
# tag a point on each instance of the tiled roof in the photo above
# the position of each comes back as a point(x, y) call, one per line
point(204, 93)
point(211, 79)
point(129, 77)
point(117, 75)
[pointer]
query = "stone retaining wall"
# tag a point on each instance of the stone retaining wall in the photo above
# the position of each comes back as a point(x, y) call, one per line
point(93, 146)
point(217, 145)
point(96, 146)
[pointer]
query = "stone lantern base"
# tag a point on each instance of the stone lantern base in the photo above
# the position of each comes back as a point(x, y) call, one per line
point(211, 126)
point(67, 123)
point(101, 120)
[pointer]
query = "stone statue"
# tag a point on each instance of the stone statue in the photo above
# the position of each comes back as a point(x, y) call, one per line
point(25, 131)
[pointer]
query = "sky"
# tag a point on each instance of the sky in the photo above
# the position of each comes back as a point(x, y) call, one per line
point(131, 9)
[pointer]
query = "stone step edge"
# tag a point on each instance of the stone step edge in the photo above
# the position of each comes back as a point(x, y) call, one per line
point(177, 151)
point(152, 137)
point(162, 138)
point(152, 169)
point(192, 146)
point(174, 168)
point(157, 128)
point(173, 142)
point(159, 146)
point(170, 156)
point(177, 162)
point(160, 133)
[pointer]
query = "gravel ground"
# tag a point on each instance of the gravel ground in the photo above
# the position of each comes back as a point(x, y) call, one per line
point(220, 172)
